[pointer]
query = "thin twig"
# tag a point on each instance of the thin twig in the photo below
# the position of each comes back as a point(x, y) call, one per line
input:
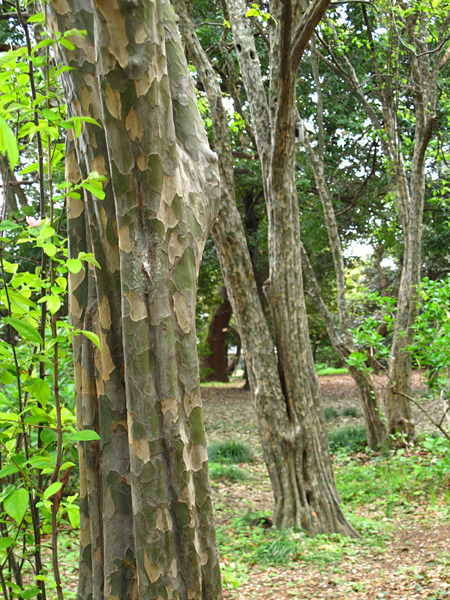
point(429, 417)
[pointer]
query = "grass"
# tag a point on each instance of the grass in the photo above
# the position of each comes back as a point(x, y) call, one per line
point(323, 369)
point(224, 471)
point(330, 413)
point(398, 481)
point(230, 451)
point(245, 540)
point(347, 439)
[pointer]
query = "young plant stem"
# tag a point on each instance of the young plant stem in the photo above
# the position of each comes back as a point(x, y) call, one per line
point(36, 117)
point(55, 474)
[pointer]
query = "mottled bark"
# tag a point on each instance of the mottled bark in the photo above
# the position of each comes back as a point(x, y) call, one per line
point(148, 235)
point(292, 429)
point(214, 348)
point(108, 552)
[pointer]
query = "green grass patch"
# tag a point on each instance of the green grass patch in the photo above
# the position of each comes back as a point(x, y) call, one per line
point(330, 413)
point(324, 370)
point(247, 539)
point(230, 451)
point(347, 440)
point(223, 471)
point(351, 411)
point(396, 482)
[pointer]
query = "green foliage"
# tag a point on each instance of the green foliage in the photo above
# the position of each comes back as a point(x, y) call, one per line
point(330, 413)
point(431, 345)
point(230, 451)
point(323, 369)
point(220, 470)
point(347, 440)
point(396, 481)
point(351, 411)
point(38, 434)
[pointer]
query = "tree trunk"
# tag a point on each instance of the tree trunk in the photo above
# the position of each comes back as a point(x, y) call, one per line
point(292, 429)
point(215, 360)
point(373, 418)
point(343, 343)
point(153, 534)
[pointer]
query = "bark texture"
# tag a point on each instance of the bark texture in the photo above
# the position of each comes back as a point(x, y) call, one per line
point(147, 523)
point(291, 425)
point(214, 358)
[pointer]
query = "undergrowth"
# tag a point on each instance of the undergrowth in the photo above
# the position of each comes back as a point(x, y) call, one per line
point(347, 439)
point(224, 471)
point(230, 451)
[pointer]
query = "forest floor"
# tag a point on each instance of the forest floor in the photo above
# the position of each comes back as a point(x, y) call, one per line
point(400, 504)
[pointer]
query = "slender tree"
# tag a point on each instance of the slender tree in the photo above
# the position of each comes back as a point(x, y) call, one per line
point(147, 525)
point(291, 424)
point(395, 89)
point(342, 339)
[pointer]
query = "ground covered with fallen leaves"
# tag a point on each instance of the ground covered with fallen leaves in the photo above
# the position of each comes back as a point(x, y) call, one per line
point(400, 504)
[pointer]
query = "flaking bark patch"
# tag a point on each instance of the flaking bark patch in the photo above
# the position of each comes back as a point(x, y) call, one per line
point(182, 311)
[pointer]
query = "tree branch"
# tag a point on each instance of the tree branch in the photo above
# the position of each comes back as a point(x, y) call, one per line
point(305, 30)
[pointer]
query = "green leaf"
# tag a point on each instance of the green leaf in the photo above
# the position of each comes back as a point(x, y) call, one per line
point(30, 593)
point(7, 225)
point(8, 143)
point(26, 330)
point(16, 505)
point(53, 303)
point(93, 337)
point(67, 44)
point(48, 436)
point(62, 282)
point(37, 18)
point(85, 436)
point(95, 190)
point(6, 377)
point(8, 471)
point(52, 490)
point(6, 543)
point(74, 265)
point(73, 512)
point(46, 232)
point(51, 115)
point(49, 249)
point(40, 390)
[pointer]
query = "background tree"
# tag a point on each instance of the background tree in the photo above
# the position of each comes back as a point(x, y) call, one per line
point(401, 98)
point(296, 453)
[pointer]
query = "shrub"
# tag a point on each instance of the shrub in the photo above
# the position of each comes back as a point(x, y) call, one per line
point(330, 413)
point(347, 439)
point(351, 411)
point(230, 451)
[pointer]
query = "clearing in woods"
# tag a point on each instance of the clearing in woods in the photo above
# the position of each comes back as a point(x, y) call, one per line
point(400, 504)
